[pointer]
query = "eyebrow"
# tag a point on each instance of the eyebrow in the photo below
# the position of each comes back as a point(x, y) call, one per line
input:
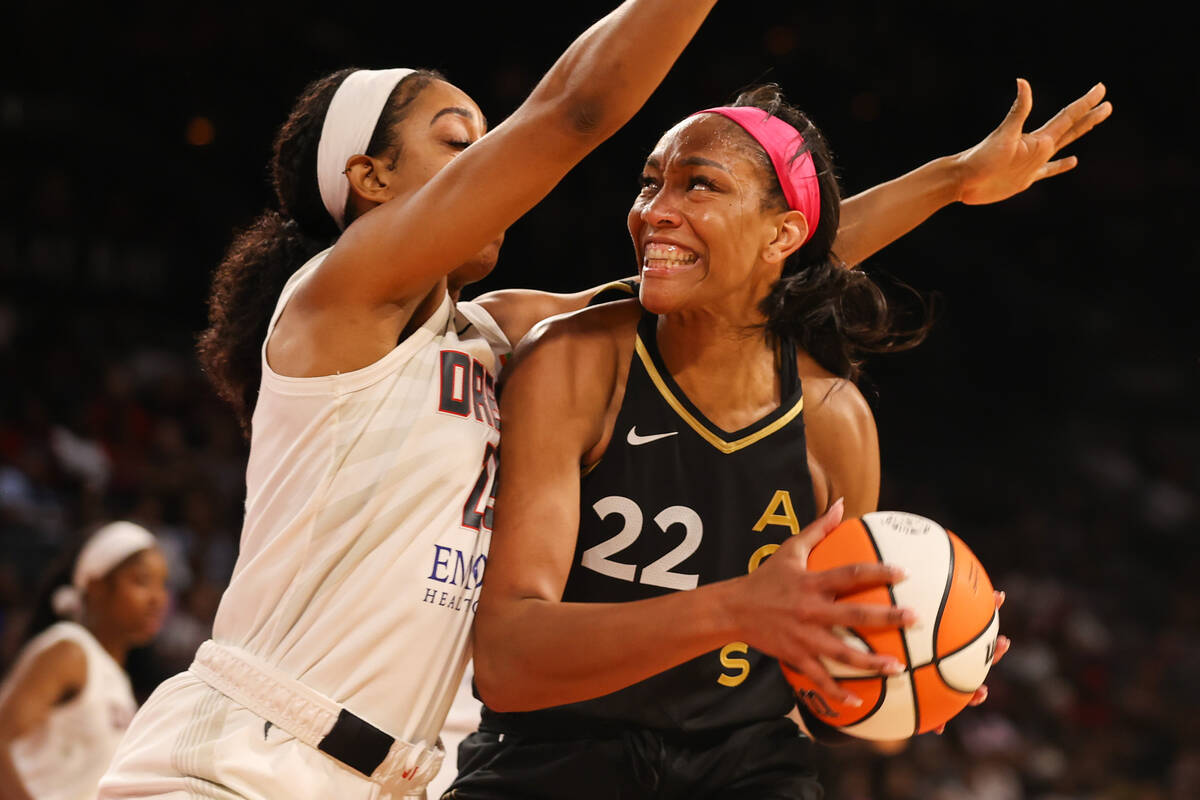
point(697, 161)
point(690, 161)
point(462, 112)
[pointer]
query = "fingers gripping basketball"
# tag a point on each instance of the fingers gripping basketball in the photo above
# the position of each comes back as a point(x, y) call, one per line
point(946, 653)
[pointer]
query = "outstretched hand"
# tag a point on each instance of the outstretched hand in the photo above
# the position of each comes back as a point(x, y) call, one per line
point(1009, 160)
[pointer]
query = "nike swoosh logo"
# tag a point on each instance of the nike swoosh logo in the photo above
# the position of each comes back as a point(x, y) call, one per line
point(635, 440)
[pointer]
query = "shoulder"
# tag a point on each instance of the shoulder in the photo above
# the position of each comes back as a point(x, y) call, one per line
point(67, 656)
point(569, 369)
point(832, 402)
point(843, 444)
point(517, 311)
point(593, 334)
point(59, 661)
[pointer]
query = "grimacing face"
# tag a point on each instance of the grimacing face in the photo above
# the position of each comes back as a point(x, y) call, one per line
point(701, 233)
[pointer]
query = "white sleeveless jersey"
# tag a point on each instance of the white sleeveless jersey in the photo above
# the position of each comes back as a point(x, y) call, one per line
point(65, 757)
point(368, 518)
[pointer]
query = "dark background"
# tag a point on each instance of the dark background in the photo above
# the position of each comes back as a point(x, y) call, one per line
point(1050, 419)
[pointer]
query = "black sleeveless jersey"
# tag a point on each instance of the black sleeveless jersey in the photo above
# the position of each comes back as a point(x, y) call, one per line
point(675, 503)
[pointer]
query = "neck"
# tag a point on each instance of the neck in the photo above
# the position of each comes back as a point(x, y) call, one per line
point(727, 333)
point(113, 642)
point(697, 346)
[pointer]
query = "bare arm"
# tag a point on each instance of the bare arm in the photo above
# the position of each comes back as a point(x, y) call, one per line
point(517, 311)
point(1005, 163)
point(843, 444)
point(399, 249)
point(534, 650)
point(28, 697)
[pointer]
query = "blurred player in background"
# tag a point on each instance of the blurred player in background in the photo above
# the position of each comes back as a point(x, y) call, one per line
point(67, 701)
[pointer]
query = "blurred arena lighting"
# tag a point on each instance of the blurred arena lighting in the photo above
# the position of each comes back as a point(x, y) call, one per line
point(200, 132)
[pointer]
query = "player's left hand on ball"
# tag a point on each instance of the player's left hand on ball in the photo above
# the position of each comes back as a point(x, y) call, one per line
point(1003, 643)
point(1009, 160)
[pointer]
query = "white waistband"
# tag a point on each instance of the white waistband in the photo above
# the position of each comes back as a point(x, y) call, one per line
point(303, 712)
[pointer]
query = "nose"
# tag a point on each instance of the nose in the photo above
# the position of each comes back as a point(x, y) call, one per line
point(661, 212)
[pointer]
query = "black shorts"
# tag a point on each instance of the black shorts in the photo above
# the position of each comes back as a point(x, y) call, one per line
point(762, 761)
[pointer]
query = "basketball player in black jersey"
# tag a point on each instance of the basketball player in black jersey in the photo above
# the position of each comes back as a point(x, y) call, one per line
point(711, 421)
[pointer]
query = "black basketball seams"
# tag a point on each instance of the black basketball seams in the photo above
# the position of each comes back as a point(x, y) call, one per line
point(937, 621)
point(912, 684)
point(938, 661)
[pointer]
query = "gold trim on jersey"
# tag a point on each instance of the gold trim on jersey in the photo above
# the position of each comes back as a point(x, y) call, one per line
point(620, 287)
point(699, 427)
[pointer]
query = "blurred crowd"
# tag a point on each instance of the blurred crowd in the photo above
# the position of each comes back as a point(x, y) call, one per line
point(1097, 698)
point(1050, 420)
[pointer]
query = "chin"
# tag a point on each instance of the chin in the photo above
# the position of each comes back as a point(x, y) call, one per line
point(657, 300)
point(476, 269)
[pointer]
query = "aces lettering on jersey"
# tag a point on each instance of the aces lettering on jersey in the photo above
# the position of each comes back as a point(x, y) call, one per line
point(779, 511)
point(603, 557)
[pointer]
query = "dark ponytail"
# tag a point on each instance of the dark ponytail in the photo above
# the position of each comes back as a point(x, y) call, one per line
point(836, 314)
point(247, 283)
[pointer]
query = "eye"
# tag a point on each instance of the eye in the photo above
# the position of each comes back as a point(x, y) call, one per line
point(700, 182)
point(460, 144)
point(647, 182)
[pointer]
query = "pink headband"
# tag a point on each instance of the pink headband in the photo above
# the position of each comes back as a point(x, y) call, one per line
point(798, 176)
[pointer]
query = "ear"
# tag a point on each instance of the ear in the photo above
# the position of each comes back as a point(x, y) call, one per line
point(790, 231)
point(367, 182)
point(97, 591)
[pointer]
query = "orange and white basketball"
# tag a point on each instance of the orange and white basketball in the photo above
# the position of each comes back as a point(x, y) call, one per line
point(947, 652)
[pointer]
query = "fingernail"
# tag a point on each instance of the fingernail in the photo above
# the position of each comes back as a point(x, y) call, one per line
point(908, 617)
point(899, 574)
point(853, 701)
point(894, 668)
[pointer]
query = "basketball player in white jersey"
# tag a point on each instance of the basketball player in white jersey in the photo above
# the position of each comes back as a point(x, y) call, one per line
point(343, 634)
point(67, 701)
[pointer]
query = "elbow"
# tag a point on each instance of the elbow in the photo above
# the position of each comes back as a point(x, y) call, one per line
point(581, 114)
point(498, 687)
point(586, 115)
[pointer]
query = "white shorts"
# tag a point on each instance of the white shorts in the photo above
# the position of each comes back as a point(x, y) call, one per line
point(462, 721)
point(190, 741)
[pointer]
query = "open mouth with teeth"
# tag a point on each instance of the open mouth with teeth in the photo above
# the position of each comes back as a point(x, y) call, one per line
point(667, 256)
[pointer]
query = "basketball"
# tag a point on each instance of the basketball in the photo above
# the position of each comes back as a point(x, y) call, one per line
point(948, 651)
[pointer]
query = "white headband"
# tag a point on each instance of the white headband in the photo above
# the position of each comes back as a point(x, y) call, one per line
point(349, 124)
point(107, 548)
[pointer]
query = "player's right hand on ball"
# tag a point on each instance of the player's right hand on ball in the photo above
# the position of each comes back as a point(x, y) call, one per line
point(789, 613)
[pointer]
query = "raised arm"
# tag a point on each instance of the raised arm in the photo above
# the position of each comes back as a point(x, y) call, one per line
point(533, 650)
point(397, 250)
point(1008, 161)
